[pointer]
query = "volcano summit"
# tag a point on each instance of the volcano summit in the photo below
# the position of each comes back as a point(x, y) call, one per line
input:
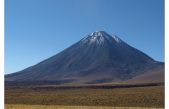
point(97, 58)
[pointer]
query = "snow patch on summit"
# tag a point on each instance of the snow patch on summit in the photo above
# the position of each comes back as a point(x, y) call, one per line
point(95, 34)
point(95, 37)
point(116, 39)
point(99, 37)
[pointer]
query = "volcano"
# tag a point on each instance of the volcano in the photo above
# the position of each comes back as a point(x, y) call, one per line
point(97, 58)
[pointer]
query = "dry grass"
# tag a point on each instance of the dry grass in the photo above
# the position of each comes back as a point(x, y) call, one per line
point(120, 97)
point(11, 106)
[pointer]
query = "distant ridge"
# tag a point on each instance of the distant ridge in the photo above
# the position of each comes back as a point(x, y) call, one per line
point(97, 58)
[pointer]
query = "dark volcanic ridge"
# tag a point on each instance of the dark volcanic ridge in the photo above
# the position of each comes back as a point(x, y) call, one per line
point(97, 58)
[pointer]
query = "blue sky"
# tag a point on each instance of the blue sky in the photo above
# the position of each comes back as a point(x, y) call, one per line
point(38, 29)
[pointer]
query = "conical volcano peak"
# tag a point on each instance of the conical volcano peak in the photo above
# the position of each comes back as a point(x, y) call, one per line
point(97, 58)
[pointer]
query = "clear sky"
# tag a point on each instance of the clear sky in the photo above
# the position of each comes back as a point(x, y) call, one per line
point(38, 29)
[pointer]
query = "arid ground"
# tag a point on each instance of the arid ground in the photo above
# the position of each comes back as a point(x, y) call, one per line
point(146, 97)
